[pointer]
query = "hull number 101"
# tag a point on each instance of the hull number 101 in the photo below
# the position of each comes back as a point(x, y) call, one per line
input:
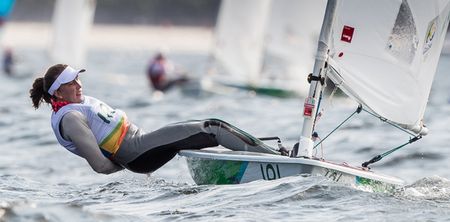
point(269, 172)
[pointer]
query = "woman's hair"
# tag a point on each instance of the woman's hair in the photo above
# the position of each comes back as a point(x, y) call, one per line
point(39, 90)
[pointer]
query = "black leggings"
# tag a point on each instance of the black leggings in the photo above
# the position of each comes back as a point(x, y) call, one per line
point(150, 151)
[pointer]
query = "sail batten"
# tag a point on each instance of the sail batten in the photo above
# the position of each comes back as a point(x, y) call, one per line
point(386, 52)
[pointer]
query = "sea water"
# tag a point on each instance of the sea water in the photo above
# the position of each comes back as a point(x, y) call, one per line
point(41, 181)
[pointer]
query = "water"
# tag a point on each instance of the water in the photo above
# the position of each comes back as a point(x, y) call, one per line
point(40, 181)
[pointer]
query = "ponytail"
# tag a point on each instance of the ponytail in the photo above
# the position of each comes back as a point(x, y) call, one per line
point(39, 90)
point(38, 94)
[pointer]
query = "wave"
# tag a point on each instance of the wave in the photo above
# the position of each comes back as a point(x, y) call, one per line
point(434, 188)
point(35, 211)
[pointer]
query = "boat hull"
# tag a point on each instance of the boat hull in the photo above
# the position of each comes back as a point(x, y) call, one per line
point(220, 166)
point(266, 87)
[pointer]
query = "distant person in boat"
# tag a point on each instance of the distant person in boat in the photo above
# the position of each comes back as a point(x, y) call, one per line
point(8, 62)
point(109, 142)
point(161, 74)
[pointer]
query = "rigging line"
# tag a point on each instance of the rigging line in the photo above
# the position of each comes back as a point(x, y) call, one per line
point(317, 110)
point(315, 86)
point(390, 123)
point(379, 157)
point(326, 105)
point(319, 103)
point(358, 110)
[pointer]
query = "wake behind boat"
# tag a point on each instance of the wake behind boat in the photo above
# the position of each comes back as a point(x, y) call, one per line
point(383, 54)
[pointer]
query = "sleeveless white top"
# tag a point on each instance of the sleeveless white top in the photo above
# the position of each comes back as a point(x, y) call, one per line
point(108, 125)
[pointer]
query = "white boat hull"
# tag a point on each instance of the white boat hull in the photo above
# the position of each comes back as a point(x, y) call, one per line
point(222, 166)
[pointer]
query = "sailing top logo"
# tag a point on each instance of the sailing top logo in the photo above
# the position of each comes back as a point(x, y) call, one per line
point(431, 30)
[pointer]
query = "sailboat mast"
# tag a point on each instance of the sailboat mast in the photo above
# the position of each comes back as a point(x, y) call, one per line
point(306, 144)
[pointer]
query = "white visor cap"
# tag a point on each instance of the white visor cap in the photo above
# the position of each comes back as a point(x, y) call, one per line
point(66, 76)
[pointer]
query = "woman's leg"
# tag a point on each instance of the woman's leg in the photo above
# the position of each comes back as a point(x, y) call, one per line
point(160, 146)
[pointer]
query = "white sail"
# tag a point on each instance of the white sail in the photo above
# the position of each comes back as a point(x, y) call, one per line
point(72, 20)
point(385, 54)
point(239, 37)
point(292, 35)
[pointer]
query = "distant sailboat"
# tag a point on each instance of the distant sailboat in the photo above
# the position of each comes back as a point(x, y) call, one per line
point(72, 21)
point(384, 55)
point(290, 46)
point(267, 46)
point(239, 41)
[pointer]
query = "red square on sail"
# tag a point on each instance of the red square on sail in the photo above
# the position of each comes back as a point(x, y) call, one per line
point(347, 34)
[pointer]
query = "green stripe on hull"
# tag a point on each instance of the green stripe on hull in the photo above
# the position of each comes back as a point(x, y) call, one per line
point(376, 186)
point(267, 91)
point(274, 92)
point(216, 171)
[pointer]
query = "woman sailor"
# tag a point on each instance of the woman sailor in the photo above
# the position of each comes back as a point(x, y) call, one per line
point(109, 142)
